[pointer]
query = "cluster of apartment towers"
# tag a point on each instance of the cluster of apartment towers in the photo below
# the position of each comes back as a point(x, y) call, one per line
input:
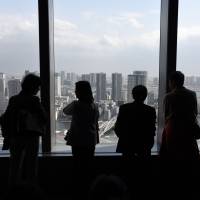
point(99, 84)
point(98, 81)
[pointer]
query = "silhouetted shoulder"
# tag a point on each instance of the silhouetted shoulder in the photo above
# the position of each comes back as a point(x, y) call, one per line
point(12, 102)
point(192, 93)
point(126, 106)
point(188, 90)
point(13, 98)
point(150, 108)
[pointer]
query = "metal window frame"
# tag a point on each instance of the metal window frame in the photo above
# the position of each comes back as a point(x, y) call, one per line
point(167, 61)
point(168, 54)
point(47, 69)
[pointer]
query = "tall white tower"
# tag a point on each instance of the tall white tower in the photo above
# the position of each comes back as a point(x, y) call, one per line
point(57, 85)
point(3, 100)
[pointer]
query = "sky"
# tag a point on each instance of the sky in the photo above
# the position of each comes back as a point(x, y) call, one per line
point(97, 36)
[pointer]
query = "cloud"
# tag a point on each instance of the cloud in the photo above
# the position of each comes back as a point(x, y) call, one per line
point(88, 15)
point(68, 35)
point(76, 45)
point(11, 25)
point(149, 39)
point(112, 41)
point(187, 33)
point(127, 18)
point(64, 25)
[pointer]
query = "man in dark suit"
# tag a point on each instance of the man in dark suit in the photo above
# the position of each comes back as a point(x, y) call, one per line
point(181, 128)
point(180, 100)
point(135, 125)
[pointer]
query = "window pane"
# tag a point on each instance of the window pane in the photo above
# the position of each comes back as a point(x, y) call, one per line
point(189, 44)
point(19, 46)
point(112, 44)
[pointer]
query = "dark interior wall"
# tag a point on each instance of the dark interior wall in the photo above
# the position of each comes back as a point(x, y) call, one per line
point(152, 178)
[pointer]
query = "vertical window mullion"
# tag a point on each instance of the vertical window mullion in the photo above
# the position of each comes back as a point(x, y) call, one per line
point(46, 45)
point(168, 52)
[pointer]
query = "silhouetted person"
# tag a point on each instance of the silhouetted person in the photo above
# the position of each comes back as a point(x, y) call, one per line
point(181, 127)
point(82, 135)
point(25, 119)
point(108, 187)
point(135, 125)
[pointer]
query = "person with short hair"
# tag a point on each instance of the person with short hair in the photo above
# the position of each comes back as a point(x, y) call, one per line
point(23, 112)
point(135, 125)
point(181, 128)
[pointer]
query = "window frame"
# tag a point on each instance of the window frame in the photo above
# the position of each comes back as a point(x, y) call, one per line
point(167, 62)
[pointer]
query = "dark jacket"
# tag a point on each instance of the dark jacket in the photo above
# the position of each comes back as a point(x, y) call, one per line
point(135, 127)
point(181, 104)
point(181, 128)
point(18, 103)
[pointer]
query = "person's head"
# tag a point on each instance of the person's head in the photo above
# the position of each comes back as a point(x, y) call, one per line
point(108, 187)
point(31, 84)
point(139, 93)
point(84, 92)
point(176, 80)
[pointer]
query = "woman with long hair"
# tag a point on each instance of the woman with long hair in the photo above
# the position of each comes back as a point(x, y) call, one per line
point(83, 132)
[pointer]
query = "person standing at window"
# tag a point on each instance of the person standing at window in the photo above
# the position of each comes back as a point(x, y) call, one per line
point(82, 136)
point(83, 133)
point(181, 128)
point(25, 118)
point(135, 126)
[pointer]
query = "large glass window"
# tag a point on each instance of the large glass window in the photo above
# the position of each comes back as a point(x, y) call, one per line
point(19, 46)
point(189, 44)
point(112, 44)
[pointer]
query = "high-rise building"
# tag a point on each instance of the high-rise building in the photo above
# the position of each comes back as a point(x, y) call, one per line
point(151, 98)
point(190, 81)
point(140, 77)
point(130, 87)
point(2, 84)
point(62, 76)
point(116, 86)
point(91, 78)
point(72, 78)
point(14, 87)
point(85, 77)
point(26, 72)
point(137, 78)
point(57, 85)
point(100, 86)
point(3, 101)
